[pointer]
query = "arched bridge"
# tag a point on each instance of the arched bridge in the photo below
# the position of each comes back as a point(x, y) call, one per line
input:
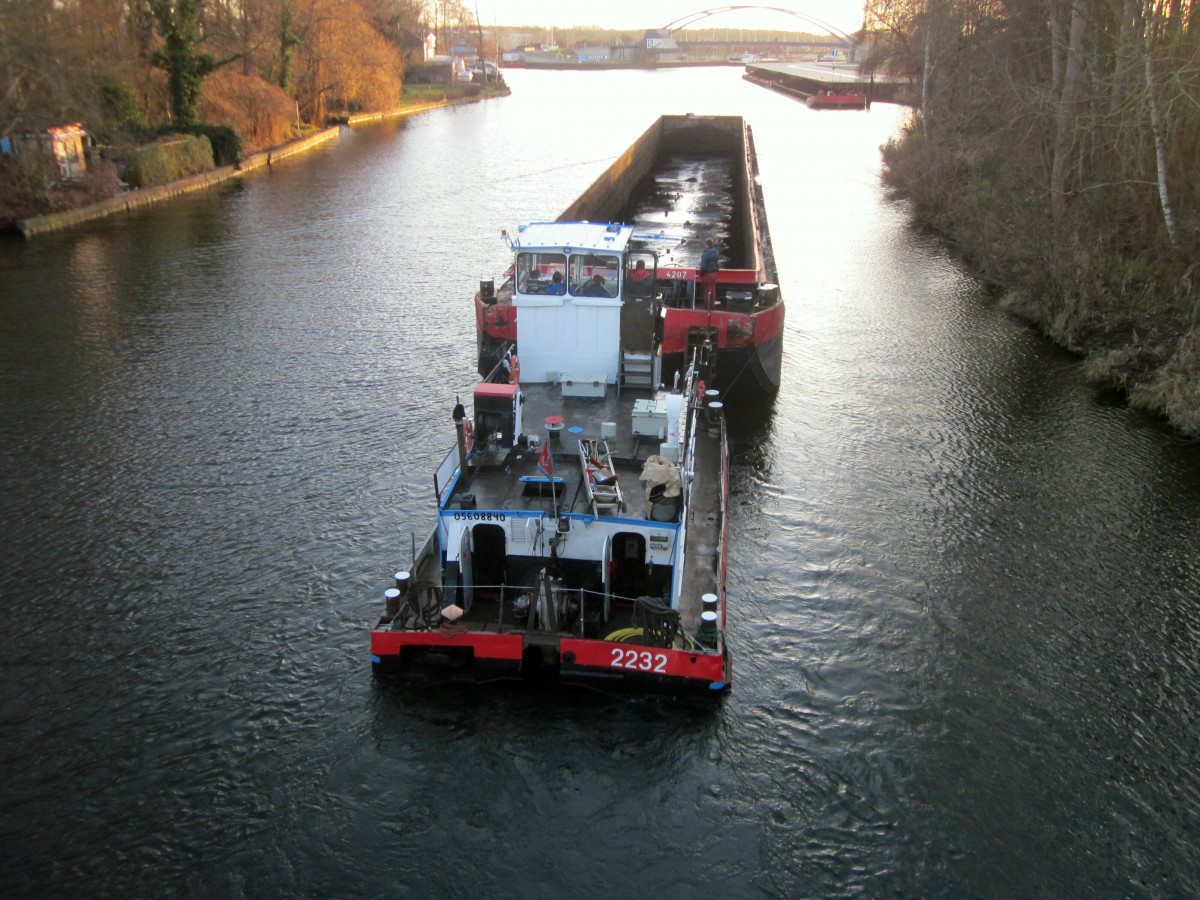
point(693, 18)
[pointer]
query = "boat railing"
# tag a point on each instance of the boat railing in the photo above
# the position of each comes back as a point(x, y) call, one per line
point(498, 374)
point(650, 621)
point(443, 476)
point(648, 617)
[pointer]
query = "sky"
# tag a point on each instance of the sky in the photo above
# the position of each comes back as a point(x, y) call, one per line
point(640, 14)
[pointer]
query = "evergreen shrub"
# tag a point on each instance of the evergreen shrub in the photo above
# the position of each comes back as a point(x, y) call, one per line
point(168, 160)
point(118, 111)
point(226, 143)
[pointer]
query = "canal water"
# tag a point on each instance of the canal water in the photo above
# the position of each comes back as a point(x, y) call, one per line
point(963, 593)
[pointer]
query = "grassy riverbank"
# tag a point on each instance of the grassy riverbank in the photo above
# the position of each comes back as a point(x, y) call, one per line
point(1055, 145)
point(84, 207)
point(1100, 281)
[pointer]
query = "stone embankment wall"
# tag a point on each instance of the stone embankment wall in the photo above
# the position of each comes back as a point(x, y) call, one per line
point(130, 200)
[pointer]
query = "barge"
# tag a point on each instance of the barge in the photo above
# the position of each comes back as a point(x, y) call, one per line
point(580, 525)
point(688, 179)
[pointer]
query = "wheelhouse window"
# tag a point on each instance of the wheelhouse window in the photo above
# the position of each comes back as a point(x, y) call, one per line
point(639, 275)
point(541, 273)
point(594, 275)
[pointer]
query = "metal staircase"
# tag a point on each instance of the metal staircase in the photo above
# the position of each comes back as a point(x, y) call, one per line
point(637, 371)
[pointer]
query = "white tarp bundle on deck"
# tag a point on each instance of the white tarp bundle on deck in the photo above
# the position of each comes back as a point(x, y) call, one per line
point(659, 471)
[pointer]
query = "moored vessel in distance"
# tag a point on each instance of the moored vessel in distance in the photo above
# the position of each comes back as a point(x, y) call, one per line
point(686, 180)
point(840, 99)
point(581, 520)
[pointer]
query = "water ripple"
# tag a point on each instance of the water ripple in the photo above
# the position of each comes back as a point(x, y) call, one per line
point(962, 587)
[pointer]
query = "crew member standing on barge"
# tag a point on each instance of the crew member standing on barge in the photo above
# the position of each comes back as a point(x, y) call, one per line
point(709, 264)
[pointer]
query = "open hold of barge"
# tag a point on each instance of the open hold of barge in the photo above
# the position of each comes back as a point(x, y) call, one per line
point(686, 180)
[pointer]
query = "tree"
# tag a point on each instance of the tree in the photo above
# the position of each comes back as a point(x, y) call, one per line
point(62, 60)
point(1056, 145)
point(179, 23)
point(343, 62)
point(289, 40)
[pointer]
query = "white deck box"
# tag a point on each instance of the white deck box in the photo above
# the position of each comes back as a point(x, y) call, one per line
point(650, 418)
point(583, 386)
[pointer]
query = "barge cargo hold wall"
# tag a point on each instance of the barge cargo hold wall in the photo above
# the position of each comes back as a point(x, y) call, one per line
point(726, 136)
point(609, 193)
point(684, 135)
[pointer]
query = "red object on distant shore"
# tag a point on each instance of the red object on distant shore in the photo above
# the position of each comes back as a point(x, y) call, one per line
point(834, 100)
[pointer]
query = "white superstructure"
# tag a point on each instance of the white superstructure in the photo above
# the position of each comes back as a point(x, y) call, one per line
point(567, 278)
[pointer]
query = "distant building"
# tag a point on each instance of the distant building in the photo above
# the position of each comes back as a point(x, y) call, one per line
point(441, 70)
point(550, 57)
point(63, 144)
point(655, 46)
point(660, 45)
point(593, 54)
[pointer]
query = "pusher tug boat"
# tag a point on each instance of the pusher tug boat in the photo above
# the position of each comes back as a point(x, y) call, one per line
point(686, 180)
point(582, 522)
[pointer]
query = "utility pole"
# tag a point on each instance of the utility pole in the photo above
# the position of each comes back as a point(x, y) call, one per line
point(482, 55)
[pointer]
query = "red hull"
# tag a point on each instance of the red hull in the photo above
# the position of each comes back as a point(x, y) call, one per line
point(745, 325)
point(742, 330)
point(475, 656)
point(830, 100)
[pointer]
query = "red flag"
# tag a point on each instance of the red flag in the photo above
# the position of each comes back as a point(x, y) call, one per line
point(546, 461)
